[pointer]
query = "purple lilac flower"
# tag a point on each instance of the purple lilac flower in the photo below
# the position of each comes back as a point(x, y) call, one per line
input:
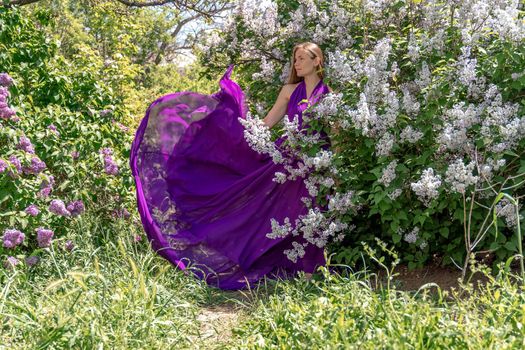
point(5, 79)
point(58, 207)
point(11, 262)
point(75, 154)
point(25, 144)
point(3, 165)
point(53, 129)
point(44, 237)
point(109, 166)
point(16, 162)
point(46, 187)
point(7, 113)
point(4, 92)
point(106, 151)
point(105, 112)
point(76, 207)
point(32, 260)
point(122, 213)
point(120, 125)
point(36, 166)
point(32, 210)
point(137, 238)
point(12, 238)
point(69, 245)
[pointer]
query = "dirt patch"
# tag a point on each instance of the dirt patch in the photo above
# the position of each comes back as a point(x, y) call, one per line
point(444, 277)
point(216, 323)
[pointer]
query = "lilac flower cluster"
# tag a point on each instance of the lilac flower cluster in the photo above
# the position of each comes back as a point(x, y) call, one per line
point(25, 145)
point(53, 129)
point(11, 262)
point(32, 210)
point(110, 167)
point(121, 213)
point(105, 112)
point(6, 80)
point(12, 238)
point(46, 186)
point(32, 260)
point(3, 165)
point(58, 207)
point(6, 112)
point(426, 188)
point(76, 208)
point(44, 237)
point(69, 245)
point(389, 173)
point(36, 166)
point(17, 164)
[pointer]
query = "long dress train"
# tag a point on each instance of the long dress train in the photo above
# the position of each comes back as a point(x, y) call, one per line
point(206, 198)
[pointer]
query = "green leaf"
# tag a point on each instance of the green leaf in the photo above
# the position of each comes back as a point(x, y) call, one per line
point(444, 231)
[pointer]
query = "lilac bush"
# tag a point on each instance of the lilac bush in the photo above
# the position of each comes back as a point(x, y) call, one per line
point(426, 119)
point(43, 173)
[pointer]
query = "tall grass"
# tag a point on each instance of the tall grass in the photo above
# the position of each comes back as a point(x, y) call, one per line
point(112, 292)
point(115, 295)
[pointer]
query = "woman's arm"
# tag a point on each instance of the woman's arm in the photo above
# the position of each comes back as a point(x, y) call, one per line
point(279, 108)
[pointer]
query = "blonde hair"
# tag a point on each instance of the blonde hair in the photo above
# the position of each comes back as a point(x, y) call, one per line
point(313, 51)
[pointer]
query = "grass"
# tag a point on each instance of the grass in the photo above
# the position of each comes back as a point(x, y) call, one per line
point(113, 292)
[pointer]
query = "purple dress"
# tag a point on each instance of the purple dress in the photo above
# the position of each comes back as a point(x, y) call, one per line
point(206, 198)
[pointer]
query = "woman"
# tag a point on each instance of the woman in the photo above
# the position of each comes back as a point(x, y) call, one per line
point(206, 198)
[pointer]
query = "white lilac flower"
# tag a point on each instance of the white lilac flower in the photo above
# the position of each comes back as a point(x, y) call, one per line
point(344, 68)
point(507, 210)
point(384, 145)
point(323, 159)
point(459, 176)
point(424, 76)
point(329, 105)
point(258, 136)
point(394, 194)
point(413, 48)
point(279, 177)
point(376, 71)
point(389, 173)
point(363, 117)
point(296, 252)
point(427, 187)
point(280, 231)
point(412, 236)
point(341, 202)
point(410, 104)
point(267, 71)
point(411, 135)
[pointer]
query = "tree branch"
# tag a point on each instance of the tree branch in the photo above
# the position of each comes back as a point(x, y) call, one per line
point(19, 2)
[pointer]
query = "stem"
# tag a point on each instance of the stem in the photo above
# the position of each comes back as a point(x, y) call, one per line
point(520, 244)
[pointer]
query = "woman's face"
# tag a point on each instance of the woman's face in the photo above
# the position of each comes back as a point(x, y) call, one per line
point(303, 63)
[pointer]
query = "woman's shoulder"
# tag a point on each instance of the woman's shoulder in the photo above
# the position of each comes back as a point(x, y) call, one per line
point(288, 89)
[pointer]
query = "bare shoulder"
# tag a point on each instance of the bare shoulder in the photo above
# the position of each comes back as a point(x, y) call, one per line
point(288, 89)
